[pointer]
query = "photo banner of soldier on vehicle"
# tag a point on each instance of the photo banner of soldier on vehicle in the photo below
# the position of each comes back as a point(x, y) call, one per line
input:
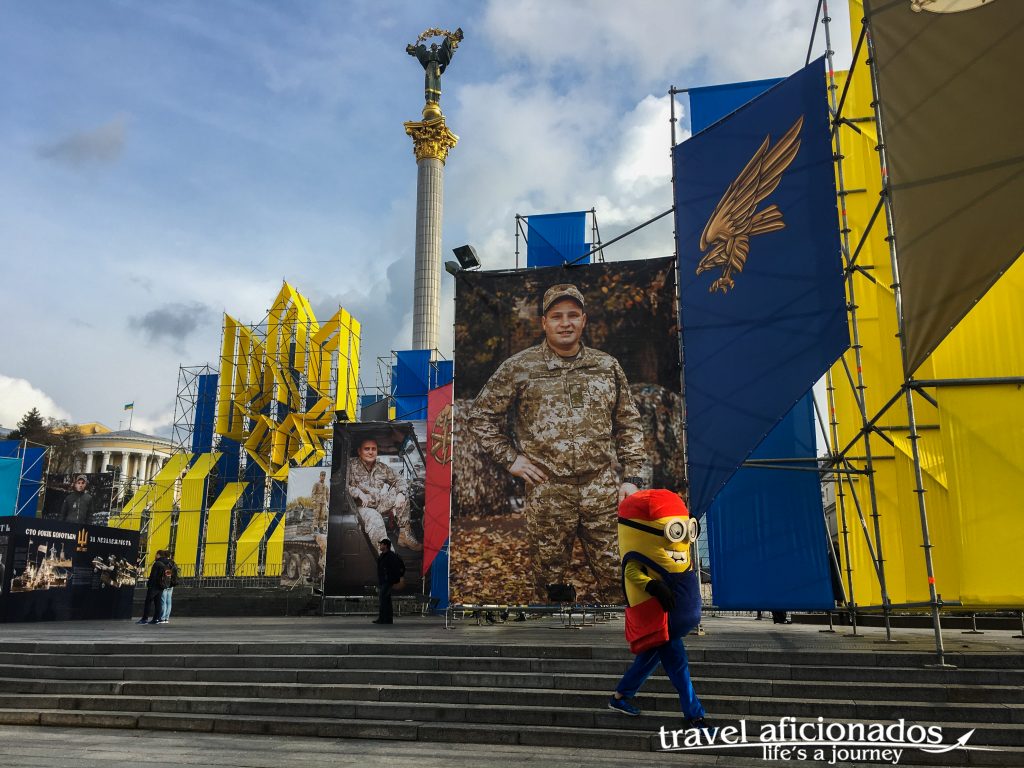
point(566, 399)
point(376, 492)
point(305, 527)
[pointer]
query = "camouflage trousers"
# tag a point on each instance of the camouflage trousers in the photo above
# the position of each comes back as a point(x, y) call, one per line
point(373, 517)
point(561, 510)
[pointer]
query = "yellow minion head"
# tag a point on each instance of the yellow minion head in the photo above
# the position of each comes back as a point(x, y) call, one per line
point(656, 524)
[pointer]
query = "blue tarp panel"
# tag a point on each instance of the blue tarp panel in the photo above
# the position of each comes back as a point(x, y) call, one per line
point(31, 482)
point(227, 464)
point(412, 372)
point(411, 408)
point(206, 411)
point(442, 373)
point(711, 103)
point(439, 578)
point(554, 238)
point(766, 529)
point(766, 316)
point(10, 482)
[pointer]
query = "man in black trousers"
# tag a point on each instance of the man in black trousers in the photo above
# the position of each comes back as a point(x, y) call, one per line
point(155, 588)
point(390, 570)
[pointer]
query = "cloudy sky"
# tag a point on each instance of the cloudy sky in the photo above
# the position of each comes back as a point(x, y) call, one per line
point(166, 162)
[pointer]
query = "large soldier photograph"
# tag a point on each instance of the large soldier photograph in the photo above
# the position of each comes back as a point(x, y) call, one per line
point(566, 401)
point(376, 492)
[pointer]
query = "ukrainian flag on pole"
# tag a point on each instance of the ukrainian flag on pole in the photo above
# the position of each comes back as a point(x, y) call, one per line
point(129, 406)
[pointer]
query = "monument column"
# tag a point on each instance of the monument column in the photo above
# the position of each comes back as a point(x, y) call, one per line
point(431, 141)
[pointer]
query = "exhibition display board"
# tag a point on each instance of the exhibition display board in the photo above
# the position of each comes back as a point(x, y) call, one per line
point(57, 571)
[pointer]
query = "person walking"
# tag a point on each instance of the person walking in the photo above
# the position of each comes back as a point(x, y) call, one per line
point(390, 570)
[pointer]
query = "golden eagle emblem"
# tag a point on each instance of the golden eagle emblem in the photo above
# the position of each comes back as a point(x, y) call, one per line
point(734, 221)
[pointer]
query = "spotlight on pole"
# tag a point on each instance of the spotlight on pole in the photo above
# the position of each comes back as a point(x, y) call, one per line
point(452, 268)
point(466, 254)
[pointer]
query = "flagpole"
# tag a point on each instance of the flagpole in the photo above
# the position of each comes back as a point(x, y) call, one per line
point(908, 383)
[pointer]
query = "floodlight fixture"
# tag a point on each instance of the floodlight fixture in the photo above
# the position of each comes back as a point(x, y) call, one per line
point(466, 254)
point(452, 268)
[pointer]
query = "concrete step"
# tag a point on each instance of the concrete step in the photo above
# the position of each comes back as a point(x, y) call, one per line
point(492, 693)
point(535, 708)
point(697, 653)
point(515, 683)
point(609, 738)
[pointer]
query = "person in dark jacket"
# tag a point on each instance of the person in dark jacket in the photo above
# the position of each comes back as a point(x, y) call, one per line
point(390, 570)
point(77, 506)
point(155, 588)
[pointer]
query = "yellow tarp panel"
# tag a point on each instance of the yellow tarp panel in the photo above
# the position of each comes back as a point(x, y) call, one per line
point(275, 550)
point(247, 547)
point(882, 373)
point(190, 516)
point(218, 530)
point(162, 504)
point(983, 440)
point(225, 402)
point(971, 446)
point(131, 515)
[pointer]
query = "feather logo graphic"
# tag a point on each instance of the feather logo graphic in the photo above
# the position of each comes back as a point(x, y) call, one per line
point(727, 233)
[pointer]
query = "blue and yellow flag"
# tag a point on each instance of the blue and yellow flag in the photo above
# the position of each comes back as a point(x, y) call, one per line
point(761, 282)
point(129, 406)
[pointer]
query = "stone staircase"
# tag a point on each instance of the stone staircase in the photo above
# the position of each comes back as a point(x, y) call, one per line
point(487, 693)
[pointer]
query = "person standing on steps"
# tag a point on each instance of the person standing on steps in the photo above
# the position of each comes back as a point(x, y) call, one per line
point(154, 589)
point(390, 573)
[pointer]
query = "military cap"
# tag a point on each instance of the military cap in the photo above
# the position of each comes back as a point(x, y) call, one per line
point(561, 291)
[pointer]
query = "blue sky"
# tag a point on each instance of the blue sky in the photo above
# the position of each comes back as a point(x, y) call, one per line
point(165, 162)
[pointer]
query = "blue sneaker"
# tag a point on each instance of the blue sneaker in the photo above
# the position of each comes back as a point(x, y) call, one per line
point(624, 705)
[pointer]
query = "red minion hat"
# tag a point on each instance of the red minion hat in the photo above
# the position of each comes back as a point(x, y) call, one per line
point(653, 504)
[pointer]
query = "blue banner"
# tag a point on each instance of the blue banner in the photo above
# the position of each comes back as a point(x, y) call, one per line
point(10, 481)
point(761, 284)
point(766, 529)
point(205, 413)
point(711, 103)
point(411, 373)
point(31, 482)
point(555, 238)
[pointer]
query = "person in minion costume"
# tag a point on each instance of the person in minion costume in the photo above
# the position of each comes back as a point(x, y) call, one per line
point(662, 595)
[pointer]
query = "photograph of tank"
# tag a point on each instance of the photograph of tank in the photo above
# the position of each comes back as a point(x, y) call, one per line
point(305, 528)
point(114, 572)
point(376, 492)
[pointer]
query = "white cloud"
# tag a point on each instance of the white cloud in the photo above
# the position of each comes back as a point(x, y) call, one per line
point(18, 397)
point(645, 39)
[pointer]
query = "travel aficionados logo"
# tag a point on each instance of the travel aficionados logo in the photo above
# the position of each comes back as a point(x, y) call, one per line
point(819, 740)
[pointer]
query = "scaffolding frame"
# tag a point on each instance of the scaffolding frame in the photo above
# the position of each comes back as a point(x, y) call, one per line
point(909, 385)
point(291, 335)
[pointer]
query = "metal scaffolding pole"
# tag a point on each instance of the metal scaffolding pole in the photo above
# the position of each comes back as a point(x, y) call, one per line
point(908, 385)
point(850, 274)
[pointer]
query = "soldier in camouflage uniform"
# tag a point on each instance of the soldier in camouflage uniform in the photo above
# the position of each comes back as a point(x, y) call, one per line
point(572, 419)
point(320, 495)
point(378, 491)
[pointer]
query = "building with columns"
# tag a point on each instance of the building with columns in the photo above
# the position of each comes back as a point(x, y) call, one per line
point(138, 456)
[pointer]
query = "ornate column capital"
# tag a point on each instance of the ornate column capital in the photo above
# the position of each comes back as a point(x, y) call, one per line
point(431, 138)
